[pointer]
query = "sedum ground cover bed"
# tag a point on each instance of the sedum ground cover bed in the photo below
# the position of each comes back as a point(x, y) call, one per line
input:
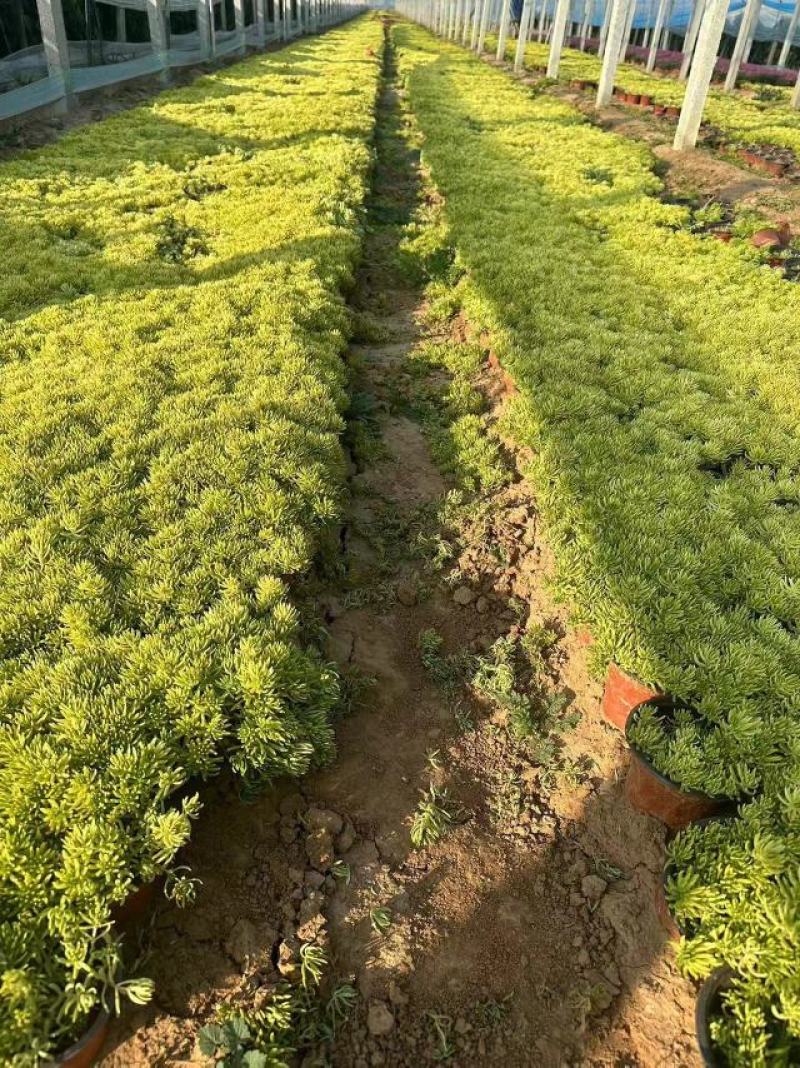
point(769, 121)
point(658, 394)
point(170, 412)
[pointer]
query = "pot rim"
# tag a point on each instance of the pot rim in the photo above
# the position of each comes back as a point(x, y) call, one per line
point(713, 986)
point(99, 1022)
point(665, 701)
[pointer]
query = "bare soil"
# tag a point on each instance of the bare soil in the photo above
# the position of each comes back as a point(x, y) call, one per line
point(528, 934)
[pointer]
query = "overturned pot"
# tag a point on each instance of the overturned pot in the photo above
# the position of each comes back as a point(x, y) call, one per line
point(656, 794)
point(621, 694)
point(84, 1052)
point(707, 1007)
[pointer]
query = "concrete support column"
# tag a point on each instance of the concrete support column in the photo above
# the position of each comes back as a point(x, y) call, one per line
point(616, 32)
point(783, 58)
point(469, 19)
point(476, 22)
point(159, 31)
point(690, 40)
point(626, 33)
point(56, 50)
point(502, 35)
point(586, 27)
point(485, 10)
point(705, 58)
point(601, 51)
point(522, 40)
point(795, 98)
point(557, 39)
point(665, 33)
point(205, 27)
point(747, 25)
point(238, 21)
point(661, 15)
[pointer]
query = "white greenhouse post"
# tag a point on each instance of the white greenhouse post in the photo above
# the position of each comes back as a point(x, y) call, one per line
point(542, 23)
point(557, 41)
point(157, 24)
point(690, 40)
point(783, 58)
point(238, 20)
point(484, 26)
point(652, 55)
point(451, 20)
point(261, 20)
point(601, 51)
point(205, 27)
point(522, 40)
point(121, 31)
point(749, 18)
point(626, 34)
point(667, 31)
point(705, 58)
point(476, 19)
point(468, 21)
point(277, 21)
point(616, 30)
point(795, 98)
point(502, 35)
point(56, 49)
point(587, 24)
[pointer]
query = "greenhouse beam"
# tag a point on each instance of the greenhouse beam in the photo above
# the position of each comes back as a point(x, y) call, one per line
point(557, 39)
point(705, 58)
point(749, 19)
point(690, 40)
point(616, 29)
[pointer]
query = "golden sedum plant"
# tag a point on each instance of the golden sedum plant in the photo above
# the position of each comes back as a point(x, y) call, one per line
point(171, 332)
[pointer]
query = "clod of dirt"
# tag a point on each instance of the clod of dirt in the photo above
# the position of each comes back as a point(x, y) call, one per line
point(464, 596)
point(380, 1020)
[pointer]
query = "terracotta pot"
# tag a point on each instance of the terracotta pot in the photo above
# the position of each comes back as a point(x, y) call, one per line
point(774, 168)
point(621, 694)
point(631, 98)
point(767, 238)
point(749, 157)
point(672, 112)
point(777, 264)
point(136, 906)
point(706, 1008)
point(659, 109)
point(722, 235)
point(86, 1050)
point(645, 101)
point(653, 793)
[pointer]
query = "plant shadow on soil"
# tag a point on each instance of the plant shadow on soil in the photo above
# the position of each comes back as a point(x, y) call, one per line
point(528, 934)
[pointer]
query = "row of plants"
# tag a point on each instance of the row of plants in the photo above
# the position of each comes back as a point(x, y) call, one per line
point(657, 394)
point(763, 117)
point(172, 323)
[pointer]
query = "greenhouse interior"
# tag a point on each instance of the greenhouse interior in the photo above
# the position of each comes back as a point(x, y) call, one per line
point(400, 533)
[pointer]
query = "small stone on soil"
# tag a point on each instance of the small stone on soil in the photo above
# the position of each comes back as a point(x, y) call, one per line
point(463, 596)
point(593, 888)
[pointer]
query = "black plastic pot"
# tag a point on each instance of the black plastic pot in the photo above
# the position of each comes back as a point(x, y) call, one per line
point(656, 794)
point(707, 1006)
point(85, 1052)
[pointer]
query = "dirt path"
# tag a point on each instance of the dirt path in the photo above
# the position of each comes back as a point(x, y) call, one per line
point(525, 933)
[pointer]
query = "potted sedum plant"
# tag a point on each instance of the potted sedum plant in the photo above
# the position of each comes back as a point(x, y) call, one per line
point(734, 890)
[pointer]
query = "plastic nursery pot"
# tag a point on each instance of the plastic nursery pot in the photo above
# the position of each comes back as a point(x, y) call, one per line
point(84, 1052)
point(655, 794)
point(621, 694)
point(707, 1006)
point(665, 917)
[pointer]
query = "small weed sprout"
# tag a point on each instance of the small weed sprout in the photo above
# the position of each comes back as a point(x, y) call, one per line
point(341, 870)
point(313, 961)
point(432, 819)
point(381, 919)
point(442, 1026)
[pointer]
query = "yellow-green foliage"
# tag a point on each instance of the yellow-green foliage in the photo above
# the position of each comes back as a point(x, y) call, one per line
point(740, 117)
point(171, 330)
point(659, 392)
